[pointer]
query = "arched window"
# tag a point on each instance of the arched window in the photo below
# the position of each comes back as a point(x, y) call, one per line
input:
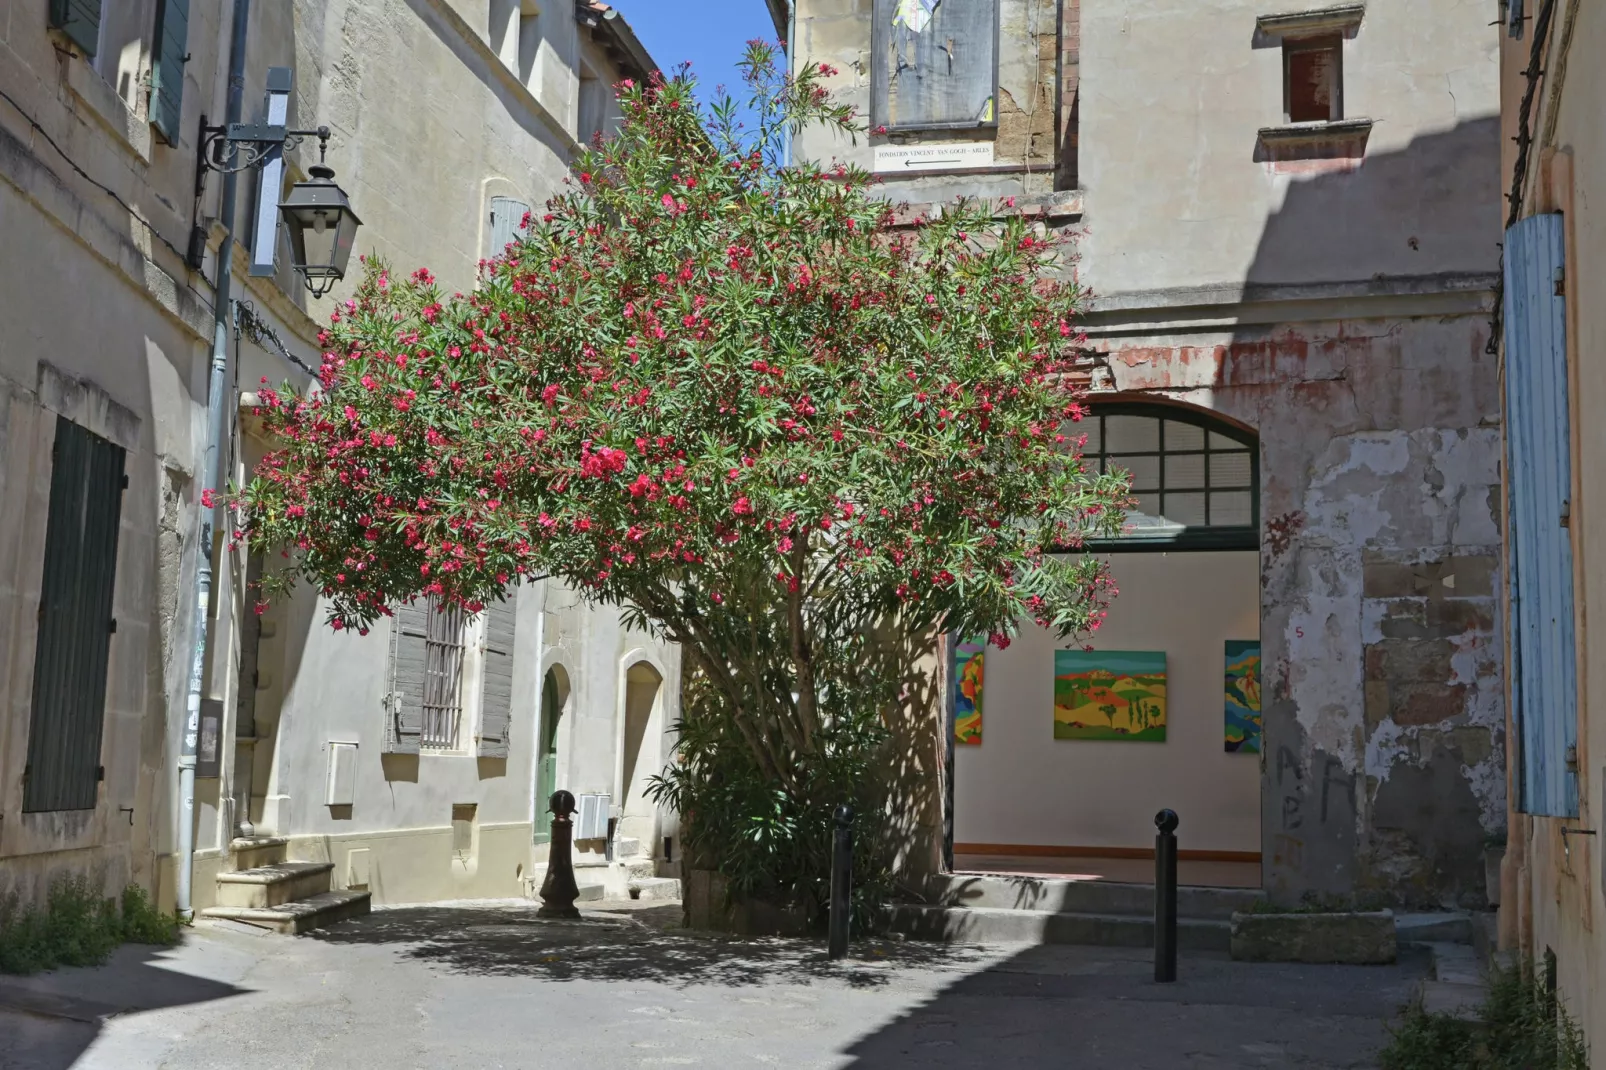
point(1196, 478)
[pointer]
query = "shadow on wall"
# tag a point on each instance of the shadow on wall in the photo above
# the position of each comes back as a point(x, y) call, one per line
point(1430, 208)
point(49, 1020)
point(1380, 546)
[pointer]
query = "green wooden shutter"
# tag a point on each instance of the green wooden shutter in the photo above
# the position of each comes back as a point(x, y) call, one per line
point(404, 715)
point(496, 687)
point(507, 218)
point(79, 20)
point(167, 73)
point(75, 622)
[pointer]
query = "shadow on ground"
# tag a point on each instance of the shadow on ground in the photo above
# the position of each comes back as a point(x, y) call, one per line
point(48, 1020)
point(1100, 1009)
point(638, 945)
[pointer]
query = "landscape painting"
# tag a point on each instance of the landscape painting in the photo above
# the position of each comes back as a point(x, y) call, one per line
point(1110, 694)
point(1243, 696)
point(967, 690)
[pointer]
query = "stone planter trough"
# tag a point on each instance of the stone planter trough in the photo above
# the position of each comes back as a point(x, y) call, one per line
point(1356, 937)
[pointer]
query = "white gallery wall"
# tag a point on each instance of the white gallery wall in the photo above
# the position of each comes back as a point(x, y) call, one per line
point(1023, 786)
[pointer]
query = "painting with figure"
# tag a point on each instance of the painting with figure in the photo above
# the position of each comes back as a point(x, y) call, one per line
point(1110, 694)
point(1243, 696)
point(967, 690)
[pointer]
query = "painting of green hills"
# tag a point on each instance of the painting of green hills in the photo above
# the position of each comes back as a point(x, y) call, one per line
point(1110, 694)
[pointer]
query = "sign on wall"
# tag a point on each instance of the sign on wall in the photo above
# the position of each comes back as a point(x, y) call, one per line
point(942, 156)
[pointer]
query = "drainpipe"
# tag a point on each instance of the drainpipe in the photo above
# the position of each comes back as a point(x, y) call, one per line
point(212, 467)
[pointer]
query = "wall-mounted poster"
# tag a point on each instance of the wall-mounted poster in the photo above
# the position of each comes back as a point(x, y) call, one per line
point(967, 690)
point(935, 63)
point(1109, 694)
point(1243, 695)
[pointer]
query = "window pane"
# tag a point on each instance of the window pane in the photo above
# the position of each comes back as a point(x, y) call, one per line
point(1131, 434)
point(1231, 470)
point(1089, 426)
point(1233, 508)
point(1185, 471)
point(1188, 509)
point(1146, 520)
point(1222, 442)
point(1145, 471)
point(1181, 436)
point(1312, 78)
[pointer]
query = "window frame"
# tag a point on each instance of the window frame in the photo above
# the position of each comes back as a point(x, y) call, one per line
point(878, 95)
point(470, 654)
point(1325, 41)
point(1195, 537)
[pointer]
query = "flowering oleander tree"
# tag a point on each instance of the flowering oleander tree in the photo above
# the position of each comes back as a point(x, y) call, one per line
point(744, 402)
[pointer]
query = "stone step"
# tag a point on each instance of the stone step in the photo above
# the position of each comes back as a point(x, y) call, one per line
point(248, 852)
point(655, 888)
point(1012, 925)
point(300, 915)
point(1447, 927)
point(1458, 985)
point(273, 885)
point(1065, 896)
point(638, 868)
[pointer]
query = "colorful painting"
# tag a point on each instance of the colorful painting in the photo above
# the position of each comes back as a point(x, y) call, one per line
point(1243, 695)
point(1110, 694)
point(967, 690)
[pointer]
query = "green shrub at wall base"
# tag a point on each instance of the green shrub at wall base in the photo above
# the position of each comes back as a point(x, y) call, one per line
point(77, 927)
point(1520, 1026)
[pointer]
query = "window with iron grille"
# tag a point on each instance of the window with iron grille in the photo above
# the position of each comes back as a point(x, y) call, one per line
point(444, 646)
point(1196, 480)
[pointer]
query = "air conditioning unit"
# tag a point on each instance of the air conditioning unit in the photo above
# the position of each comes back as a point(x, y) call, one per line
point(591, 817)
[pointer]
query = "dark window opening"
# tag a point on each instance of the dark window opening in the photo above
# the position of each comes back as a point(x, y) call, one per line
point(1313, 80)
point(75, 622)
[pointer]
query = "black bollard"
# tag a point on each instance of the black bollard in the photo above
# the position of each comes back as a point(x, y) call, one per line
point(841, 882)
point(1165, 896)
point(558, 891)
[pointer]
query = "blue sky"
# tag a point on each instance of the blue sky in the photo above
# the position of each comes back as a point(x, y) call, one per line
point(712, 34)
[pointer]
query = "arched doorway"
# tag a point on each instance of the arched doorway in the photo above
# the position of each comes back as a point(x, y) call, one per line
point(1079, 748)
point(640, 752)
point(554, 700)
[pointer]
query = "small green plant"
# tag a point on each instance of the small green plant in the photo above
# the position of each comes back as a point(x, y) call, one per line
point(1521, 1026)
point(77, 927)
point(143, 923)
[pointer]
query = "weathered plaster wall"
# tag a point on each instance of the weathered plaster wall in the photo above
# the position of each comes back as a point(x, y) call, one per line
point(94, 290)
point(1384, 760)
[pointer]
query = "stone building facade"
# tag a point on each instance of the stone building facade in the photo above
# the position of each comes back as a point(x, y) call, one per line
point(449, 119)
point(1553, 172)
point(1286, 225)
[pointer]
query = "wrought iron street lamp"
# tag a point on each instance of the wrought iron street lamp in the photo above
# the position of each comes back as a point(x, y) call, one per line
point(322, 226)
point(318, 215)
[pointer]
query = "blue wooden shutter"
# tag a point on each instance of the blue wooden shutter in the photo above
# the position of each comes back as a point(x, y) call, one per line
point(1540, 556)
point(167, 73)
point(79, 20)
point(404, 714)
point(496, 688)
point(75, 622)
point(507, 219)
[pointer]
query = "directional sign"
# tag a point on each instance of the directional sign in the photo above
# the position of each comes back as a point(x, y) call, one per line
point(937, 156)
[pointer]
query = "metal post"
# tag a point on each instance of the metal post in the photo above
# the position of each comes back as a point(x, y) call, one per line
point(1165, 897)
point(212, 473)
point(841, 883)
point(559, 891)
